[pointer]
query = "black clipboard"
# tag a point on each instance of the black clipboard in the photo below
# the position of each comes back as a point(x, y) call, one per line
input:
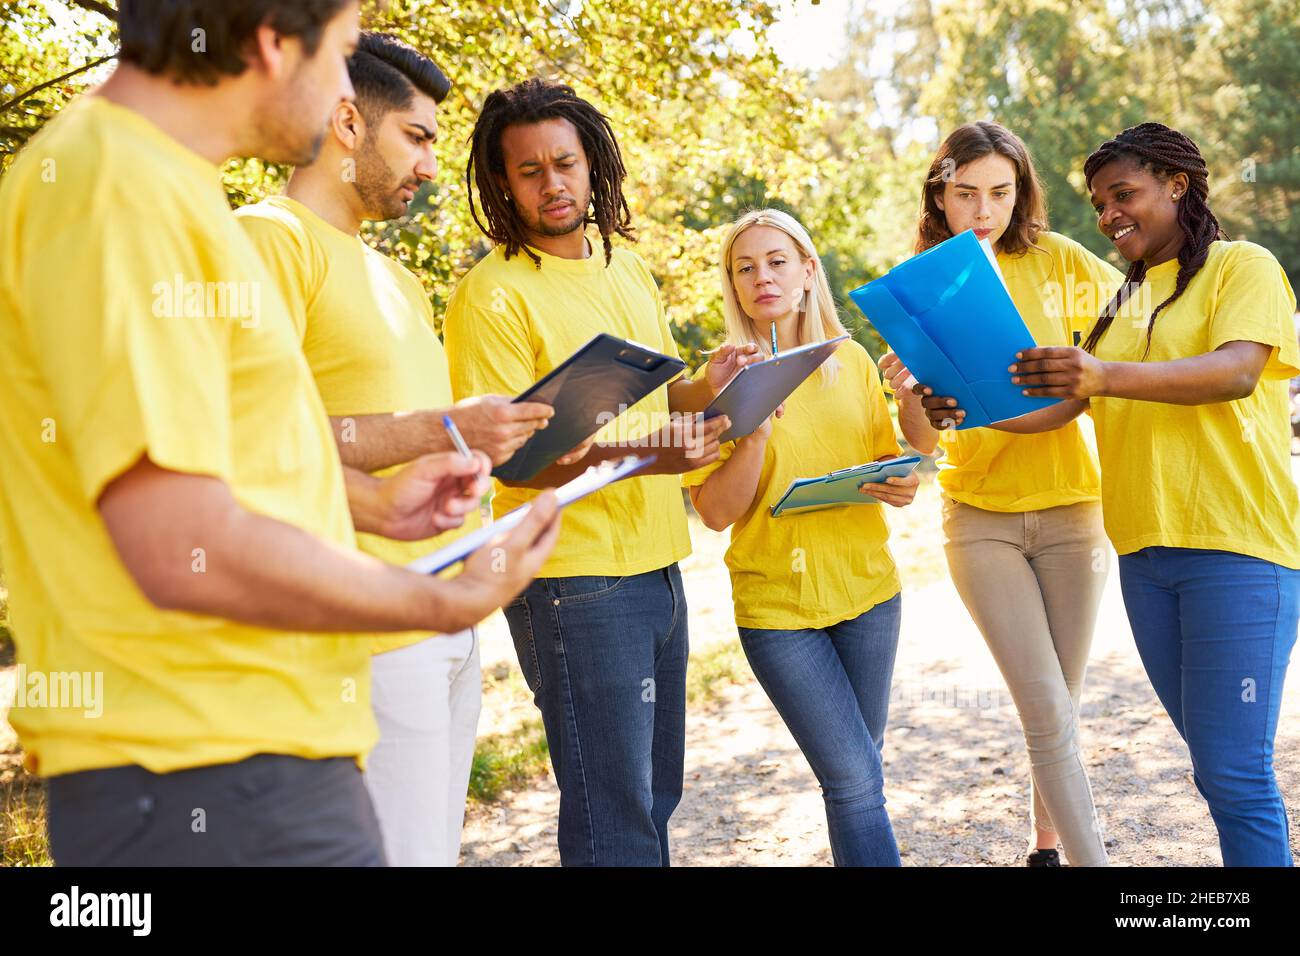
point(590, 388)
point(756, 390)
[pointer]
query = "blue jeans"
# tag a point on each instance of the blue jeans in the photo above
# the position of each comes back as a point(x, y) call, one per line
point(1215, 631)
point(605, 659)
point(831, 687)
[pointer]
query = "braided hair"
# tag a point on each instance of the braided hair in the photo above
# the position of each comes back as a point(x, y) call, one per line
point(1163, 151)
point(534, 101)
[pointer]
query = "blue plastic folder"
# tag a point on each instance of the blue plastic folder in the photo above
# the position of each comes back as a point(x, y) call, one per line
point(950, 319)
point(841, 487)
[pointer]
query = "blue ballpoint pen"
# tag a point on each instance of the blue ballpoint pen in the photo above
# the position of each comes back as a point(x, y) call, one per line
point(457, 439)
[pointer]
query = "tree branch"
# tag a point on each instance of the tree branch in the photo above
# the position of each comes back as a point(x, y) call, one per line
point(101, 8)
point(58, 79)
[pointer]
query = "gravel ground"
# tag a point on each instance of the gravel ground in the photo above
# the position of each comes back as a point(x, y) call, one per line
point(957, 777)
point(956, 772)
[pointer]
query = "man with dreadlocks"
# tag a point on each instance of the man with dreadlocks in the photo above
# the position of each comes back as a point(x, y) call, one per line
point(601, 634)
point(1190, 406)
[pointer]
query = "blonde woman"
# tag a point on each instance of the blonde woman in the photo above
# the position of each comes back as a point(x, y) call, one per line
point(816, 594)
point(1022, 513)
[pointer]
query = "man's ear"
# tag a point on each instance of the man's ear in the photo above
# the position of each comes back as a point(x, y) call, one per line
point(266, 52)
point(348, 125)
point(505, 186)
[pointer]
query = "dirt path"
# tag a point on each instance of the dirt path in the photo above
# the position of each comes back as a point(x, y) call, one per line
point(957, 775)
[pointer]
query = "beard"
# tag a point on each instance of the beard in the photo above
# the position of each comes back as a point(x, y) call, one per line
point(283, 138)
point(579, 218)
point(574, 222)
point(283, 126)
point(378, 185)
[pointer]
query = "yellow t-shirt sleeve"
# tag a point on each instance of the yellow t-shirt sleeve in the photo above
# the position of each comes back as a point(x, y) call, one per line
point(131, 373)
point(693, 479)
point(489, 350)
point(293, 261)
point(1256, 304)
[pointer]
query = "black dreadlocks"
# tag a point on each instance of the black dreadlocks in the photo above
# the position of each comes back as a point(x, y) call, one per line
point(534, 101)
point(1164, 151)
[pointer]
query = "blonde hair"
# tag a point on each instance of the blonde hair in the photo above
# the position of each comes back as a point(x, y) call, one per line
point(819, 320)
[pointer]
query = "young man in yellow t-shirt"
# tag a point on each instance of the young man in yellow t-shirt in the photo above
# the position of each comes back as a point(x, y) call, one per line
point(191, 617)
point(601, 636)
point(366, 325)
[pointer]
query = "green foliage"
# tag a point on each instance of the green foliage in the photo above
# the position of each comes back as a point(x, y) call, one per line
point(712, 123)
point(23, 839)
point(507, 761)
point(40, 41)
point(692, 111)
point(1069, 74)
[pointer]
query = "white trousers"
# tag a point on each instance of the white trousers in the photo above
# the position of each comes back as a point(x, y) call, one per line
point(426, 699)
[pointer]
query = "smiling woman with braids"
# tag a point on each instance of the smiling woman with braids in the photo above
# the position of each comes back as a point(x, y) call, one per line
point(1190, 402)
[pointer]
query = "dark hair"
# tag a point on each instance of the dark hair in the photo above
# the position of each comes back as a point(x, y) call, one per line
point(159, 35)
point(386, 72)
point(1163, 151)
point(534, 101)
point(964, 145)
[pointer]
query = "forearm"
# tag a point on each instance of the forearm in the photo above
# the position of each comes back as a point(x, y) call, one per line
point(687, 396)
point(555, 475)
point(1045, 419)
point(372, 442)
point(190, 546)
point(1201, 380)
point(915, 424)
point(729, 492)
point(264, 572)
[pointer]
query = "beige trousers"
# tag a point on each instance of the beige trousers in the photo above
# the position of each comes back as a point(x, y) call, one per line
point(1032, 582)
point(426, 698)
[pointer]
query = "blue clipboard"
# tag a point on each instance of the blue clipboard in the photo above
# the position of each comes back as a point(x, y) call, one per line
point(756, 390)
point(841, 487)
point(591, 387)
point(950, 319)
point(590, 481)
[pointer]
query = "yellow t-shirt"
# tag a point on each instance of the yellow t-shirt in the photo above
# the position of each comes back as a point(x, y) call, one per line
point(508, 324)
point(137, 319)
point(1205, 476)
point(1059, 290)
point(367, 330)
point(820, 567)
